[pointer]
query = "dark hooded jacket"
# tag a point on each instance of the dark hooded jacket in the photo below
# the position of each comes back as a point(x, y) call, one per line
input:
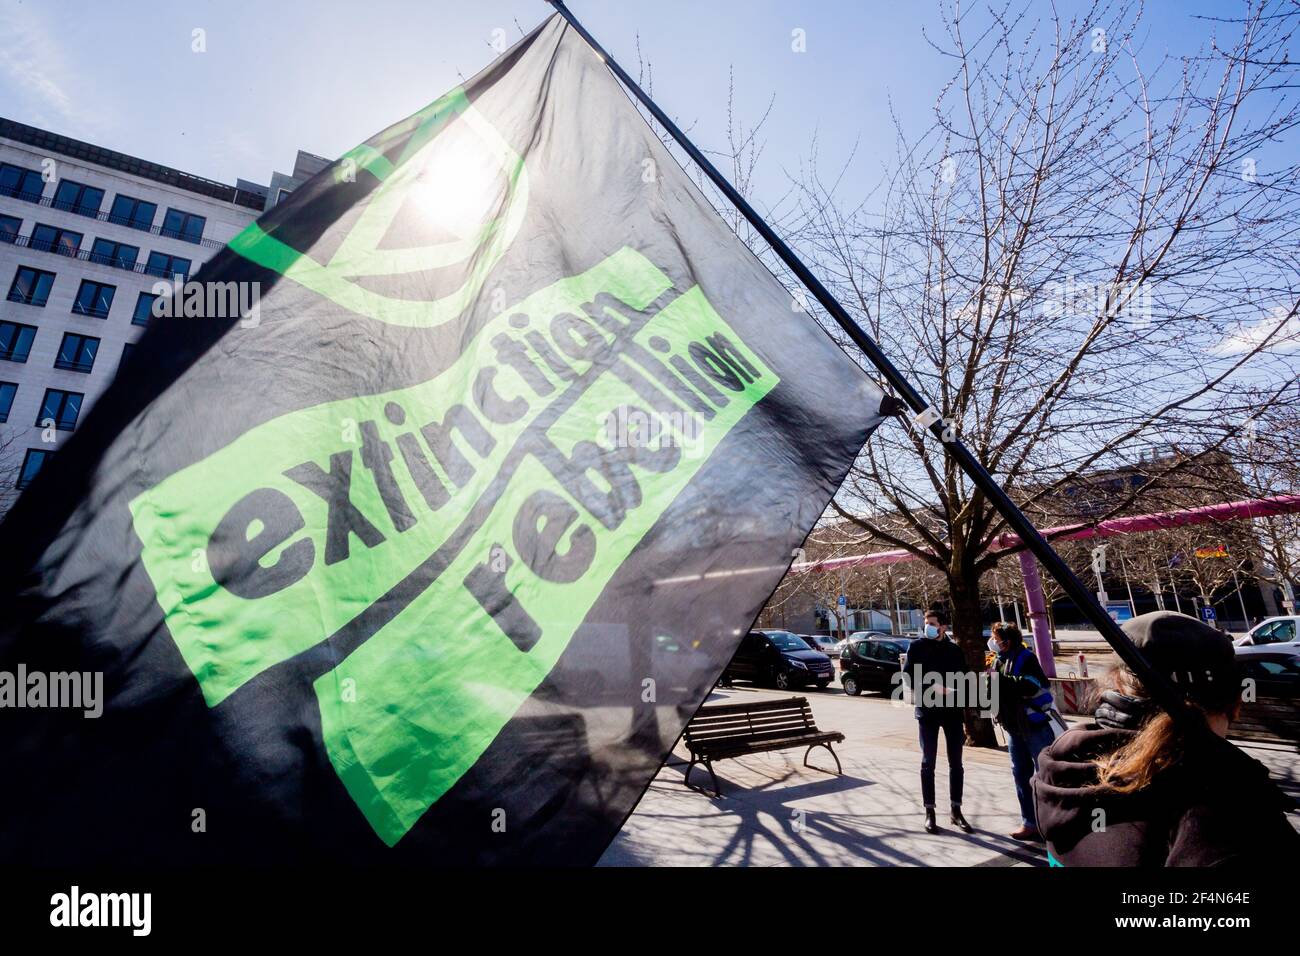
point(1199, 813)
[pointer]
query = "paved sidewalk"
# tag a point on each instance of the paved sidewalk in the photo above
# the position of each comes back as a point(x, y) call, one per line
point(776, 812)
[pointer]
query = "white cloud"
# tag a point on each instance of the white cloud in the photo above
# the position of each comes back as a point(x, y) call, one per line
point(33, 64)
point(1249, 337)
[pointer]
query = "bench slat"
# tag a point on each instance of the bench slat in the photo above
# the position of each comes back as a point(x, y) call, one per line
point(740, 748)
point(731, 719)
point(755, 720)
point(711, 709)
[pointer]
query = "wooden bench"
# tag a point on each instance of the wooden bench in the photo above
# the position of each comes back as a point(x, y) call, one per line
point(723, 731)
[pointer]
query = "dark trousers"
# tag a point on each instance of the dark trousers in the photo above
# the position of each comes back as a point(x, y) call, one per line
point(929, 721)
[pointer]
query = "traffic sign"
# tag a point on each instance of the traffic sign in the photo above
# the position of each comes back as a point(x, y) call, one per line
point(1119, 611)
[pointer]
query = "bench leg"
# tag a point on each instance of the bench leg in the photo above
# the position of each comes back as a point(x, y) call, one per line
point(717, 790)
point(838, 769)
point(708, 765)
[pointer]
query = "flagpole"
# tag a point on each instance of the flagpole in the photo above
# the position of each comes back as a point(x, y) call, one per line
point(1157, 685)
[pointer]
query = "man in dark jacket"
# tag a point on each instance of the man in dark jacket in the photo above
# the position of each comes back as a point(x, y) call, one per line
point(935, 670)
point(1133, 789)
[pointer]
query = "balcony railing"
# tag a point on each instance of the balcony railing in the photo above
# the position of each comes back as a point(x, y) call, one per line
point(29, 298)
point(49, 202)
point(95, 311)
point(70, 366)
point(60, 424)
point(85, 255)
point(58, 248)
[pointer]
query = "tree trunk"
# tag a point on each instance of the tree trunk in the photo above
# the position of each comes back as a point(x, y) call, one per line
point(968, 632)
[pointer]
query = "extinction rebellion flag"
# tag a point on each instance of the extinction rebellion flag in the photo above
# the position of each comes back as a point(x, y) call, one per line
point(429, 555)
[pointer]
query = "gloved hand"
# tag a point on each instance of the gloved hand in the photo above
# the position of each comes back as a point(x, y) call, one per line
point(1116, 711)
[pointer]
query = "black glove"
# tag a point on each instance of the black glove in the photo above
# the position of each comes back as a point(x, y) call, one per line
point(1117, 711)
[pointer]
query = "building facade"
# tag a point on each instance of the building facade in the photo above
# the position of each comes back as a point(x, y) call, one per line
point(85, 234)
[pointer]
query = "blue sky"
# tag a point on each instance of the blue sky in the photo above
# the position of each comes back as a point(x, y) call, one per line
point(277, 76)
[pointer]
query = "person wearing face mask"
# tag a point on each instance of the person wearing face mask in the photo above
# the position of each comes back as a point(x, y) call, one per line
point(932, 667)
point(1023, 707)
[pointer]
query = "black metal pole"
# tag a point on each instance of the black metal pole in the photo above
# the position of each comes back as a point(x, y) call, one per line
point(1160, 688)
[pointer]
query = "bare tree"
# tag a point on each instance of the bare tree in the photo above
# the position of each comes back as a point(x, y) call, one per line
point(1089, 254)
point(11, 456)
point(1268, 453)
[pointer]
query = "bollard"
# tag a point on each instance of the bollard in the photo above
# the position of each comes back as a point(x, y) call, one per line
point(1083, 665)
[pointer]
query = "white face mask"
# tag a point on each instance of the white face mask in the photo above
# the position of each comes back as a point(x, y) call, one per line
point(931, 630)
point(993, 645)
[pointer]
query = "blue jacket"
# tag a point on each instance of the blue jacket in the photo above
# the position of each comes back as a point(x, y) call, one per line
point(1026, 687)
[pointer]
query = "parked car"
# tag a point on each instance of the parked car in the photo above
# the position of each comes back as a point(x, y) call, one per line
point(870, 662)
point(1246, 652)
point(822, 642)
point(1277, 633)
point(779, 659)
point(1273, 711)
point(862, 635)
point(859, 636)
point(1275, 672)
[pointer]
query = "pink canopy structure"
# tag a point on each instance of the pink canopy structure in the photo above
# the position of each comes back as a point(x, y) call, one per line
point(1205, 514)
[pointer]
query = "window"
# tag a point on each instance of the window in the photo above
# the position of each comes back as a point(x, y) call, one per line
point(122, 363)
point(143, 308)
point(890, 651)
point(77, 352)
point(76, 197)
point(65, 242)
point(61, 408)
point(1279, 632)
point(282, 195)
point(9, 227)
point(165, 265)
point(94, 298)
point(135, 213)
point(21, 183)
point(32, 463)
point(7, 392)
point(1277, 668)
point(16, 341)
point(31, 286)
point(183, 225)
point(112, 253)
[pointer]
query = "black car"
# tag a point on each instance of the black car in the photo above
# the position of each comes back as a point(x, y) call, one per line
point(779, 659)
point(870, 662)
point(1272, 711)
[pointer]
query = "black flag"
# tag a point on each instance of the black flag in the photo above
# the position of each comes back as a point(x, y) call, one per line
point(420, 537)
